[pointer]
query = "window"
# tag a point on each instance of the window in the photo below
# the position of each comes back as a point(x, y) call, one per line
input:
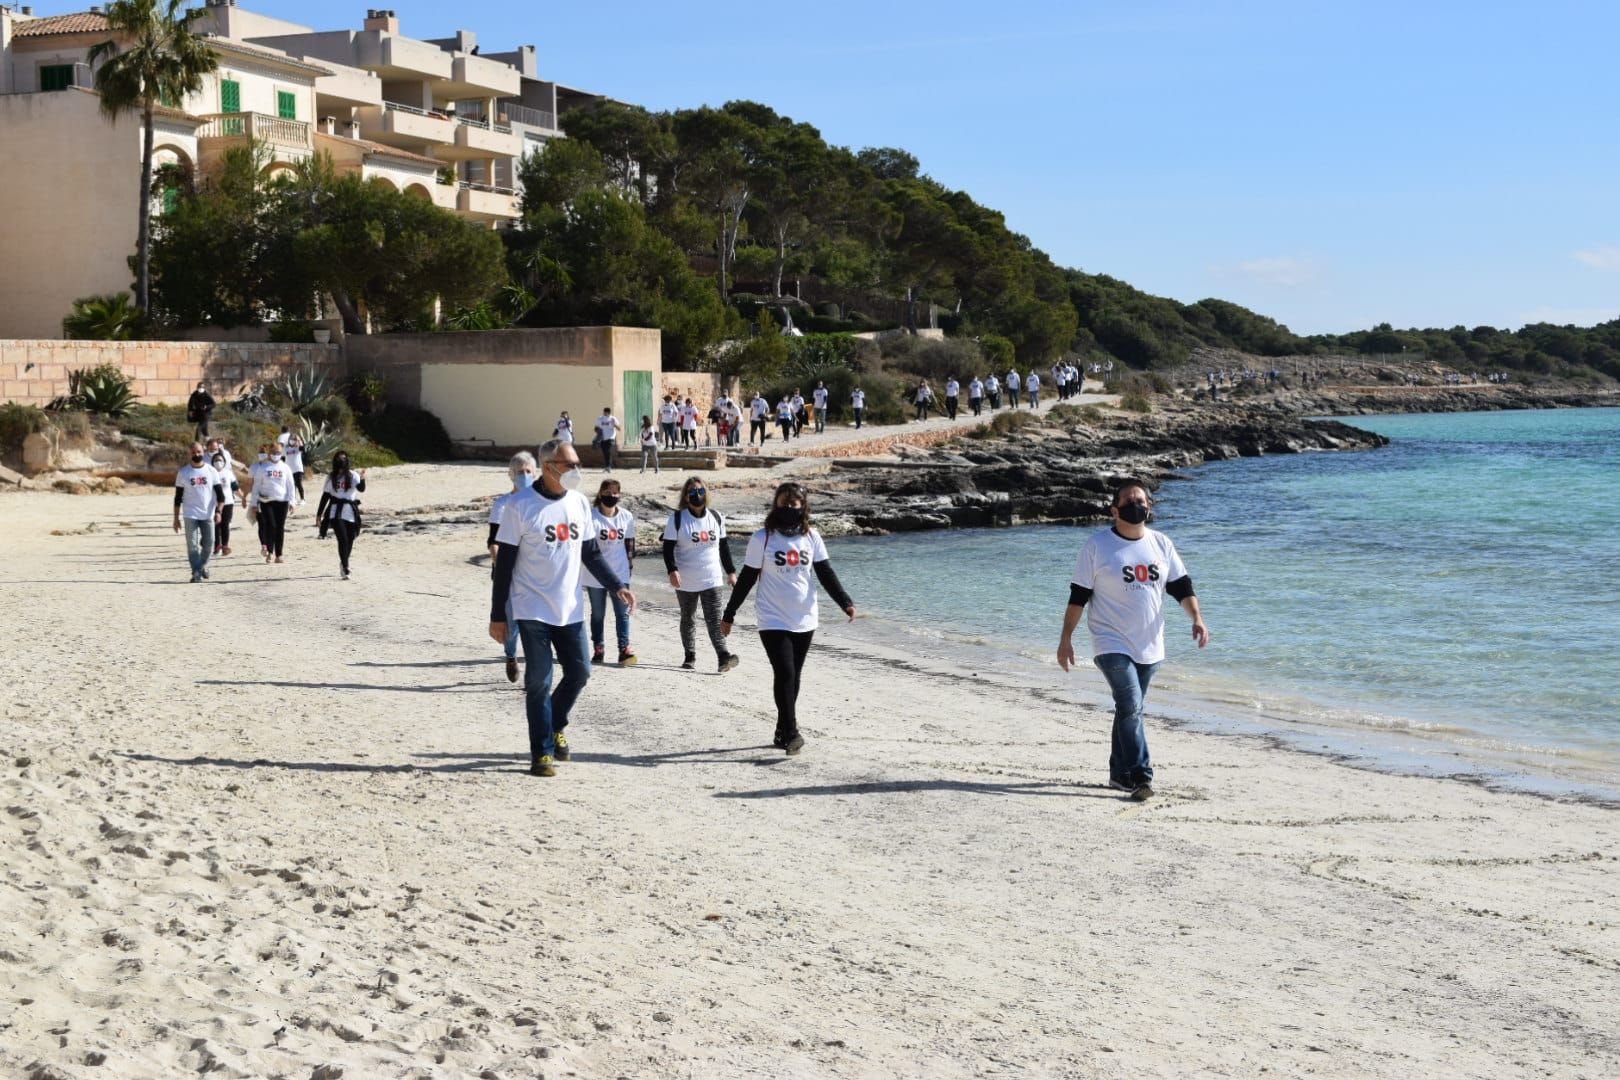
point(230, 95)
point(171, 199)
point(56, 77)
point(286, 105)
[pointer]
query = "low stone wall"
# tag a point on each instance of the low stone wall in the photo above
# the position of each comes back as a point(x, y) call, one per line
point(33, 372)
point(884, 444)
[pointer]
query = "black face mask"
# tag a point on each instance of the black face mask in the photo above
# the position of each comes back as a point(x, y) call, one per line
point(196, 459)
point(1133, 513)
point(341, 464)
point(697, 502)
point(788, 518)
point(609, 500)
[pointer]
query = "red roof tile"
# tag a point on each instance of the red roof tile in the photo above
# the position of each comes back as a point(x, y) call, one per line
point(83, 22)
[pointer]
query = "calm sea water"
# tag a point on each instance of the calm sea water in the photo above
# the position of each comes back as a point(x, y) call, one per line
point(1461, 585)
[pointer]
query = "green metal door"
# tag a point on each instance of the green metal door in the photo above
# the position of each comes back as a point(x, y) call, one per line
point(638, 399)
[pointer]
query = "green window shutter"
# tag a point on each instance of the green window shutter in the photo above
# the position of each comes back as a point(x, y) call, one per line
point(230, 96)
point(171, 199)
point(286, 105)
point(56, 77)
point(166, 99)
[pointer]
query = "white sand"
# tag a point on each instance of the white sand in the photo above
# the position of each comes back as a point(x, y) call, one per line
point(279, 822)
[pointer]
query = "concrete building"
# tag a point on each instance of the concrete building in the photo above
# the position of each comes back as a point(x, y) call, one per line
point(432, 118)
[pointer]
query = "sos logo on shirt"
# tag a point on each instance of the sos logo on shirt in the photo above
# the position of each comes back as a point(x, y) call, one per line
point(793, 557)
point(199, 481)
point(1140, 574)
point(564, 532)
point(604, 536)
point(703, 536)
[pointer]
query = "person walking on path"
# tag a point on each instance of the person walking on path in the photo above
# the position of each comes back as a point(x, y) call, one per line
point(857, 404)
point(923, 398)
point(232, 491)
point(798, 412)
point(784, 418)
point(1032, 387)
point(976, 395)
point(253, 482)
point(689, 426)
point(699, 564)
point(953, 393)
point(200, 409)
point(607, 436)
point(668, 415)
point(615, 530)
point(563, 431)
point(1120, 581)
point(820, 397)
point(273, 497)
point(649, 444)
point(544, 545)
point(284, 438)
point(198, 496)
point(781, 558)
point(339, 508)
point(295, 462)
point(734, 416)
point(758, 410)
point(522, 469)
point(1013, 385)
point(992, 390)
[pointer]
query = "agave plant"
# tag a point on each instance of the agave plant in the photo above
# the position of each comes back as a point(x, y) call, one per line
point(303, 388)
point(104, 390)
point(320, 442)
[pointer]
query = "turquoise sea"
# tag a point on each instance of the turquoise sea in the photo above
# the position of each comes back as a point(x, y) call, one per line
point(1449, 603)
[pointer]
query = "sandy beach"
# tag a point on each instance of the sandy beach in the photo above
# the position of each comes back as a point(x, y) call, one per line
point(279, 825)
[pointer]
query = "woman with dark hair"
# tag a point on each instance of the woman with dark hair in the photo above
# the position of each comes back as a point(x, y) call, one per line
point(781, 558)
point(233, 492)
point(273, 497)
point(615, 530)
point(339, 508)
point(699, 563)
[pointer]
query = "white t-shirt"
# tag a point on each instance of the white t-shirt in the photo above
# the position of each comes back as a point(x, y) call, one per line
point(295, 457)
point(689, 417)
point(196, 484)
point(549, 535)
point(612, 530)
point(1033, 382)
point(341, 507)
point(273, 483)
point(649, 437)
point(565, 429)
point(1012, 380)
point(953, 388)
point(284, 437)
point(668, 413)
point(820, 394)
point(758, 408)
point(697, 549)
point(975, 389)
point(785, 597)
point(994, 385)
point(857, 399)
point(1127, 580)
point(784, 409)
point(607, 428)
point(498, 507)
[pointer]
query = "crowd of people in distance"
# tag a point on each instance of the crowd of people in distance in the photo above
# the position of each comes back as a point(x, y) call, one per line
point(207, 494)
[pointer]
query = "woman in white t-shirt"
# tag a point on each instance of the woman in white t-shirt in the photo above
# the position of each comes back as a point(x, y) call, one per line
point(522, 470)
point(295, 462)
point(614, 529)
point(339, 508)
point(649, 444)
point(699, 565)
point(782, 557)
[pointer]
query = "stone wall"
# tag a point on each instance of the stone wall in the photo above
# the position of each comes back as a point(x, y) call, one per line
point(33, 372)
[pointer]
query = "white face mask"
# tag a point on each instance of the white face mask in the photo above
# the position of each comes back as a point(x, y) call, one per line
point(275, 456)
point(571, 480)
point(264, 457)
point(523, 480)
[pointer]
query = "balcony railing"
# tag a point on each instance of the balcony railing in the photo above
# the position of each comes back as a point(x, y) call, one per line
point(493, 189)
point(270, 129)
point(522, 114)
point(414, 111)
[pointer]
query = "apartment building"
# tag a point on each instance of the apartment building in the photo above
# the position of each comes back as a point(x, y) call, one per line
point(430, 117)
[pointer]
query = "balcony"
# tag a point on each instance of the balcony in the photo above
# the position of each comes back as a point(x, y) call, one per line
point(292, 134)
point(408, 127)
point(477, 139)
point(400, 58)
point(485, 202)
point(522, 114)
point(476, 76)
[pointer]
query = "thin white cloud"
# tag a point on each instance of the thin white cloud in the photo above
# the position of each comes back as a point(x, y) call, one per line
point(1606, 257)
point(1281, 271)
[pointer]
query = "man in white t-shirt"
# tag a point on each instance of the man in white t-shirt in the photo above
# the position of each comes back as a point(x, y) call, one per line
point(1120, 581)
point(669, 414)
point(607, 436)
point(1013, 383)
point(857, 403)
point(953, 393)
point(820, 397)
point(198, 496)
point(543, 544)
point(759, 411)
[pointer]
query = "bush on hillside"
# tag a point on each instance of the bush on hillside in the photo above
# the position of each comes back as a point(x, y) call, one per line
point(17, 422)
point(413, 434)
point(332, 411)
point(1135, 401)
point(936, 361)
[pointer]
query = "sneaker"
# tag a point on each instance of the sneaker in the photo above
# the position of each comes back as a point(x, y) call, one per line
point(562, 747)
point(267, 558)
point(1143, 793)
point(279, 560)
point(345, 573)
point(542, 766)
point(511, 669)
point(690, 663)
point(627, 658)
point(729, 661)
point(1120, 785)
point(598, 654)
point(195, 578)
point(794, 744)
point(204, 573)
point(226, 550)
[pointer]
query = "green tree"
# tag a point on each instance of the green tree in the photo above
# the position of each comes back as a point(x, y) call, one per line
point(155, 57)
point(208, 251)
point(103, 318)
point(717, 156)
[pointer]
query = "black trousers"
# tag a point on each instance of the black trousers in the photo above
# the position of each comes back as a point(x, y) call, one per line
point(756, 427)
point(787, 429)
point(345, 531)
point(298, 482)
point(977, 403)
point(222, 531)
point(786, 650)
point(273, 525)
point(950, 407)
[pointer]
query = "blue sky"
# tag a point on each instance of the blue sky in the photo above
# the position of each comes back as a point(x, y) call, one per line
point(1333, 165)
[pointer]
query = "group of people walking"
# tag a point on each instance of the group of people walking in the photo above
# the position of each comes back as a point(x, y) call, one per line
point(207, 494)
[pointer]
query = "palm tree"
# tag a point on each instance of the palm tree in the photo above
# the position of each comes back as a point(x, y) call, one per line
point(102, 318)
point(155, 58)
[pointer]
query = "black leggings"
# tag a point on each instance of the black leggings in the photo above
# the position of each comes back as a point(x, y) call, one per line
point(298, 482)
point(786, 650)
point(273, 526)
point(222, 531)
point(787, 429)
point(345, 531)
point(711, 601)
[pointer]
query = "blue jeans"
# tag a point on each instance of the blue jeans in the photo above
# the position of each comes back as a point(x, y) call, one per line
point(547, 709)
point(621, 616)
point(511, 632)
point(1128, 762)
point(199, 543)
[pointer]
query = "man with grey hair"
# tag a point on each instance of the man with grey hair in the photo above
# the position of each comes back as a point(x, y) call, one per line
point(521, 469)
point(544, 539)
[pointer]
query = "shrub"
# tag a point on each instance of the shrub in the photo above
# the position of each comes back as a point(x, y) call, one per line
point(1135, 401)
point(366, 390)
point(104, 318)
point(303, 388)
point(291, 332)
point(413, 434)
point(813, 353)
point(17, 422)
point(998, 351)
point(1075, 414)
point(934, 360)
point(1005, 423)
point(331, 411)
point(102, 390)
